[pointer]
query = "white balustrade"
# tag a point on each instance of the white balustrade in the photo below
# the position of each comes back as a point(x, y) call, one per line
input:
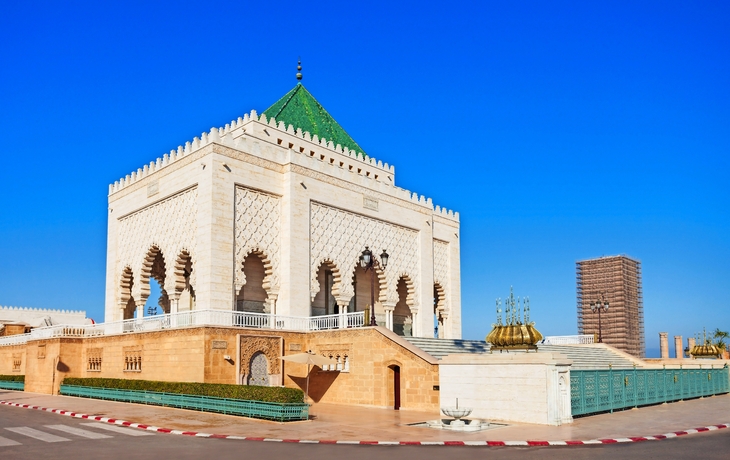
point(569, 340)
point(193, 318)
point(17, 339)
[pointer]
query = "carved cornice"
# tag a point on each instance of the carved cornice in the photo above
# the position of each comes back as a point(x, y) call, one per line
point(248, 158)
point(320, 176)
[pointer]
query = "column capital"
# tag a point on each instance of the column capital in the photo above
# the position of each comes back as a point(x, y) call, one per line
point(343, 301)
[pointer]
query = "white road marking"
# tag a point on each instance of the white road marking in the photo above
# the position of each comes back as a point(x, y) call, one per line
point(78, 432)
point(118, 429)
point(8, 442)
point(31, 433)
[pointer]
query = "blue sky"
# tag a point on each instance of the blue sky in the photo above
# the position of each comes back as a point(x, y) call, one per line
point(559, 130)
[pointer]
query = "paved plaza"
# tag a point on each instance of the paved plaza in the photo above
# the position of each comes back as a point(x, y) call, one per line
point(347, 423)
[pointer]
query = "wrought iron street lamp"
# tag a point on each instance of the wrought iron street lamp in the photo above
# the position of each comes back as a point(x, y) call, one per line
point(369, 263)
point(597, 306)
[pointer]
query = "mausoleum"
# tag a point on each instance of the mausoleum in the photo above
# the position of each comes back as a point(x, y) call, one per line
point(269, 214)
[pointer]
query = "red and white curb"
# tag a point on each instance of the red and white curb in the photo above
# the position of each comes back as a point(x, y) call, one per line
point(114, 421)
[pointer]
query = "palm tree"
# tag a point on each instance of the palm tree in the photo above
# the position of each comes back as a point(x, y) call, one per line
point(720, 338)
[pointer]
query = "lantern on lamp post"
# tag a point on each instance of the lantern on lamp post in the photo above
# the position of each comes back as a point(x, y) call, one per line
point(597, 306)
point(369, 262)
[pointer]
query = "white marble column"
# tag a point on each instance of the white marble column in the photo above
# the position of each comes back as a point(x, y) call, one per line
point(663, 345)
point(389, 315)
point(678, 352)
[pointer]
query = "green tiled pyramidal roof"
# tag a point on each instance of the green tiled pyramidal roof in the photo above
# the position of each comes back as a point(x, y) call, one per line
point(301, 110)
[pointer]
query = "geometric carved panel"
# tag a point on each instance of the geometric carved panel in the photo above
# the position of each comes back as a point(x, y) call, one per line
point(441, 267)
point(340, 237)
point(257, 229)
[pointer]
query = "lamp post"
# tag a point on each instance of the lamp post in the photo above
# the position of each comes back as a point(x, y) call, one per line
point(600, 304)
point(370, 263)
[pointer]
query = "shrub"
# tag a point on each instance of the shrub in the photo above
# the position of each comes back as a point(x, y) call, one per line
point(218, 390)
point(12, 378)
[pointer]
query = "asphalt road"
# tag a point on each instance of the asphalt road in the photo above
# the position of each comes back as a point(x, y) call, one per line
point(34, 434)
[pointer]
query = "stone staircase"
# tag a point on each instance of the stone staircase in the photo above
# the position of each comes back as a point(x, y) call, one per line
point(438, 348)
point(584, 357)
point(592, 357)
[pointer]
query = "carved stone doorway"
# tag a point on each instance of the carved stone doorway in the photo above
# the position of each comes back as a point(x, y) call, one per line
point(258, 371)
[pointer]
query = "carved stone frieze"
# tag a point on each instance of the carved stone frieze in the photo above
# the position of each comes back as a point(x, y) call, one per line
point(249, 158)
point(327, 179)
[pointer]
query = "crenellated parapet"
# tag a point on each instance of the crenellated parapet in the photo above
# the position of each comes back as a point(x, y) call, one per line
point(39, 310)
point(41, 316)
point(446, 213)
point(289, 144)
point(227, 134)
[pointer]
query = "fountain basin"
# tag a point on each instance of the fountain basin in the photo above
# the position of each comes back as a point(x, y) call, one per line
point(456, 412)
point(458, 425)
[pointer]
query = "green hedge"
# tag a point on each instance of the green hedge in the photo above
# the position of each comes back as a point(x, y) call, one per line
point(218, 390)
point(12, 378)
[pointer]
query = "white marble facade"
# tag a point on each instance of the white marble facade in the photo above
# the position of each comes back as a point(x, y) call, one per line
point(257, 202)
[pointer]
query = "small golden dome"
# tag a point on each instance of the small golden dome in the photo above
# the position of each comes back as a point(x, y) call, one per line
point(707, 350)
point(514, 336)
point(516, 333)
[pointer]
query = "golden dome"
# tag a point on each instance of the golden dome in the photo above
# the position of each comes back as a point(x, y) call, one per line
point(707, 350)
point(514, 336)
point(516, 333)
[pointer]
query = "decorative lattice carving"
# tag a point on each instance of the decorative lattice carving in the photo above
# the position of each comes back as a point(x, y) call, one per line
point(441, 272)
point(169, 225)
point(339, 237)
point(269, 346)
point(93, 359)
point(133, 359)
point(257, 230)
point(17, 362)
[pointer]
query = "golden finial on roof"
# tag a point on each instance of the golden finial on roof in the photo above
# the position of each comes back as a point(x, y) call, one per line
point(299, 70)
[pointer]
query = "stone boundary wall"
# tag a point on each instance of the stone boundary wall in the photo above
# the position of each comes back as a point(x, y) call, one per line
point(213, 355)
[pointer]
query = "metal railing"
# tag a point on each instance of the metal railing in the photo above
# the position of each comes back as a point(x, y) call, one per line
point(609, 390)
point(282, 412)
point(568, 340)
point(193, 318)
point(12, 385)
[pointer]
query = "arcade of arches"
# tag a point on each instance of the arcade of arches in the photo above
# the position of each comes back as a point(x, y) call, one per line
point(253, 296)
point(398, 317)
point(155, 269)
